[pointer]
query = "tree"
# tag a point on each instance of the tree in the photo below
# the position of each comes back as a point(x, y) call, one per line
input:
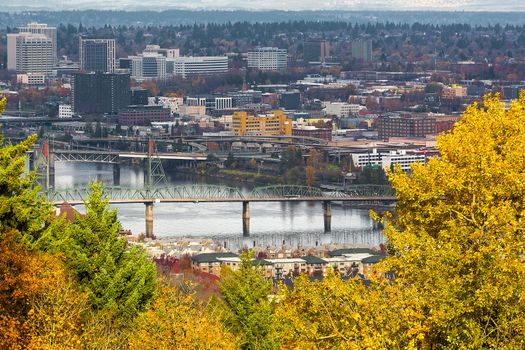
point(118, 278)
point(333, 314)
point(98, 130)
point(21, 208)
point(248, 312)
point(457, 239)
point(310, 175)
point(176, 320)
point(230, 161)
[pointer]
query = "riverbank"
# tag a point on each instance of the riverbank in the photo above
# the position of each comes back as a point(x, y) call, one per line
point(237, 176)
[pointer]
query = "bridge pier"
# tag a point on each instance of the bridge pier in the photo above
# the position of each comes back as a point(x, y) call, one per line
point(327, 213)
point(149, 219)
point(245, 218)
point(116, 174)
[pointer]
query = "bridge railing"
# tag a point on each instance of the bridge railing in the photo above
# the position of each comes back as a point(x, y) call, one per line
point(211, 192)
point(286, 191)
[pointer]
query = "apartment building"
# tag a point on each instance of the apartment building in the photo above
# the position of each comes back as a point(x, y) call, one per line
point(268, 58)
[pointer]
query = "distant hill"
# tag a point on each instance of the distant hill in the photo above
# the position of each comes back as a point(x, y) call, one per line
point(175, 17)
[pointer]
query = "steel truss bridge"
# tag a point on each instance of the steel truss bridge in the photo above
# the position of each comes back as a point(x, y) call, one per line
point(213, 193)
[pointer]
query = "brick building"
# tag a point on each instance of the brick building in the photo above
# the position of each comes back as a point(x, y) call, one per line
point(318, 133)
point(144, 115)
point(406, 125)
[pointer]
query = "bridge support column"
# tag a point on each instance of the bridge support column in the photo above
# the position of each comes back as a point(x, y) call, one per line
point(149, 220)
point(50, 176)
point(246, 218)
point(327, 211)
point(116, 174)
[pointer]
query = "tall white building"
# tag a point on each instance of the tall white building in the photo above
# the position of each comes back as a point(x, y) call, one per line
point(268, 58)
point(198, 65)
point(362, 49)
point(30, 53)
point(42, 28)
point(148, 65)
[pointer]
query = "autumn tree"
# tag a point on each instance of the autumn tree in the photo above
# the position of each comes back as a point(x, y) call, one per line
point(248, 313)
point(177, 321)
point(457, 239)
point(310, 175)
point(334, 314)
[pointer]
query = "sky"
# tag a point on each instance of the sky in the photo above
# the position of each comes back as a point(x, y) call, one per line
point(450, 5)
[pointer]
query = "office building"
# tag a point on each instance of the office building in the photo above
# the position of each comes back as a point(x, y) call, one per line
point(156, 49)
point(341, 109)
point(316, 50)
point(97, 93)
point(30, 53)
point(42, 28)
point(276, 123)
point(97, 55)
point(197, 65)
point(362, 50)
point(31, 79)
point(144, 115)
point(290, 100)
point(268, 58)
point(138, 96)
point(387, 159)
point(147, 65)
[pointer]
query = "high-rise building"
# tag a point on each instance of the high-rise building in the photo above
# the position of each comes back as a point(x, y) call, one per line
point(30, 53)
point(362, 50)
point(97, 55)
point(316, 50)
point(100, 92)
point(42, 28)
point(268, 58)
point(147, 65)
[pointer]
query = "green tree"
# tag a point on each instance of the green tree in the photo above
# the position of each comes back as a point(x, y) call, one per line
point(248, 312)
point(230, 161)
point(21, 208)
point(119, 278)
point(98, 130)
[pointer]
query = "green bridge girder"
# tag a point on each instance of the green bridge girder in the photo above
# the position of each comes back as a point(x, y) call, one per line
point(211, 192)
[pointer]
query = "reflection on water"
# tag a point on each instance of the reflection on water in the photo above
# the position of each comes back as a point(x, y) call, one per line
point(271, 224)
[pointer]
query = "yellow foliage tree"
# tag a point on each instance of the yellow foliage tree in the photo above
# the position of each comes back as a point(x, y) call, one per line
point(458, 238)
point(457, 253)
point(310, 175)
point(177, 321)
point(334, 314)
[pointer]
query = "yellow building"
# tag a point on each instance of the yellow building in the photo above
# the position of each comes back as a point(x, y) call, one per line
point(276, 123)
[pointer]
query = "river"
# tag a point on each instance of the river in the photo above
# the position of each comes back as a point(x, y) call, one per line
point(272, 224)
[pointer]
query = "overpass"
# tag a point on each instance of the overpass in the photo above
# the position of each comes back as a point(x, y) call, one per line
point(372, 194)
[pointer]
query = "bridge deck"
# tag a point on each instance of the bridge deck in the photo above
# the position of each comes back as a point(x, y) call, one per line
point(239, 200)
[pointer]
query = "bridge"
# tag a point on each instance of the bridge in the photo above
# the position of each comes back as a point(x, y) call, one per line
point(214, 194)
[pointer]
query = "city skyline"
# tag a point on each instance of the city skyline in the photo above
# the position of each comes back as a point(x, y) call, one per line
point(289, 5)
